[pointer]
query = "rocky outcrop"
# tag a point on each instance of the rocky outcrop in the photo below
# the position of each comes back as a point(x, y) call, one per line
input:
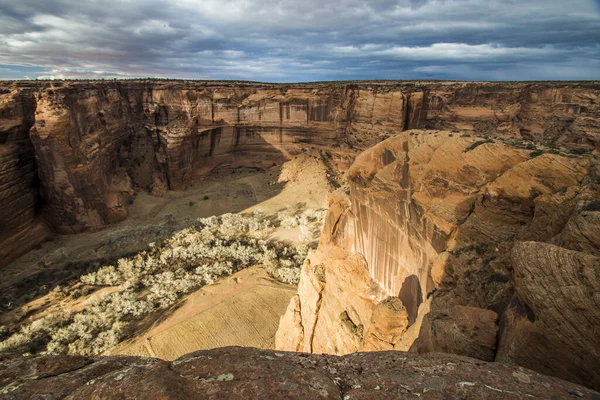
point(429, 224)
point(21, 227)
point(557, 298)
point(559, 113)
point(234, 372)
point(95, 144)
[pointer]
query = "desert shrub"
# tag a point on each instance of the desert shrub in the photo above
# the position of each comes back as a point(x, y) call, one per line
point(593, 205)
point(289, 274)
point(500, 278)
point(35, 335)
point(158, 277)
point(3, 332)
point(476, 144)
point(580, 151)
point(288, 219)
point(536, 153)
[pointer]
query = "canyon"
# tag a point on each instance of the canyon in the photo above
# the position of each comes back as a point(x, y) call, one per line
point(463, 219)
point(74, 153)
point(441, 245)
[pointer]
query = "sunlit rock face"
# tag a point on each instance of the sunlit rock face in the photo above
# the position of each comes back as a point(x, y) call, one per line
point(426, 232)
point(80, 150)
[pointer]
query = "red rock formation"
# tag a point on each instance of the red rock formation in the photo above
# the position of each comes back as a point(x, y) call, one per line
point(559, 112)
point(20, 225)
point(234, 373)
point(96, 143)
point(429, 222)
point(555, 307)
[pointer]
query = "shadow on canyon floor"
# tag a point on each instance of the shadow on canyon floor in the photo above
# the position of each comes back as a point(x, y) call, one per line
point(231, 180)
point(151, 219)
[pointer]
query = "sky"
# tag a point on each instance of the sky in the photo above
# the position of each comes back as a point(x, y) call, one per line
point(301, 40)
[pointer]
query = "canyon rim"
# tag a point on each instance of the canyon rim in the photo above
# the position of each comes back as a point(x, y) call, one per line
point(451, 227)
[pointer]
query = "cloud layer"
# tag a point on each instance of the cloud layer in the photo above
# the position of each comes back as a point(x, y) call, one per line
point(290, 40)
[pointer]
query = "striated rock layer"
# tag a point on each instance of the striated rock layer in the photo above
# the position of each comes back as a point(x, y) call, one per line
point(459, 245)
point(76, 152)
point(20, 225)
point(246, 373)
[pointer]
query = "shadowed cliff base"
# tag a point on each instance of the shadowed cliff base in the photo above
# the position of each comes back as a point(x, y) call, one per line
point(232, 178)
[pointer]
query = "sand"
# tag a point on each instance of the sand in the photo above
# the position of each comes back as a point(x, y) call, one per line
point(240, 310)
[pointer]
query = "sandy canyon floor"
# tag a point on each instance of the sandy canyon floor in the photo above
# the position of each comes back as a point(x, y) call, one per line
point(243, 309)
point(240, 310)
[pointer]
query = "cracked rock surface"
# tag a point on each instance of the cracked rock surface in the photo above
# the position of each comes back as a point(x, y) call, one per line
point(247, 373)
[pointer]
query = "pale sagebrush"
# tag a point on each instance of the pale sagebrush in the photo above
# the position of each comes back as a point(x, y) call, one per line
point(192, 257)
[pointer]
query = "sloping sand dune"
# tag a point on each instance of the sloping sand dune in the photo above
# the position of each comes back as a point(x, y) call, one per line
point(241, 310)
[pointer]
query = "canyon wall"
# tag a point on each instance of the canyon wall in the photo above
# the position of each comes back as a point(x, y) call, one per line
point(443, 241)
point(461, 245)
point(75, 153)
point(553, 112)
point(21, 226)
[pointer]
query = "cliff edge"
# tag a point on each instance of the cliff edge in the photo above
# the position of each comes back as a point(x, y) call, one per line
point(461, 245)
point(246, 373)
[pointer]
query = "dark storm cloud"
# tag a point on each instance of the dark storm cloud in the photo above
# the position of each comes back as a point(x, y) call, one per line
point(290, 40)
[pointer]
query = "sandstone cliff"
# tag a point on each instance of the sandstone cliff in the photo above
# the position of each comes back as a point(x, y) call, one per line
point(21, 227)
point(74, 153)
point(460, 245)
point(245, 373)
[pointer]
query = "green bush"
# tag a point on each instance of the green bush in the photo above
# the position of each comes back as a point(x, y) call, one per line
point(536, 153)
point(476, 144)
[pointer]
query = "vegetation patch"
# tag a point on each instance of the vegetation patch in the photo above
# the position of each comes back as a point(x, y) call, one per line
point(157, 278)
point(536, 153)
point(476, 144)
point(592, 206)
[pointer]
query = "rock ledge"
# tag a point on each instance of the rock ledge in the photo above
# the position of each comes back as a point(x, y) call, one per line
point(236, 372)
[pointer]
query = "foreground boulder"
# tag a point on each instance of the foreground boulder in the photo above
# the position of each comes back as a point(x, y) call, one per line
point(247, 373)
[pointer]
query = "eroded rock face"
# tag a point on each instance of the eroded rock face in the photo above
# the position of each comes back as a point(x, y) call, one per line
point(556, 306)
point(538, 112)
point(234, 373)
point(430, 220)
point(96, 143)
point(20, 224)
